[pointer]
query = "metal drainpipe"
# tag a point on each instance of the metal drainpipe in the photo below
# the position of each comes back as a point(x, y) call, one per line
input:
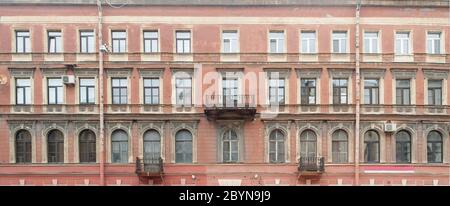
point(358, 95)
point(100, 74)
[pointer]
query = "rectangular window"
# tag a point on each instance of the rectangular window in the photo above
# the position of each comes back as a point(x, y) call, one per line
point(403, 92)
point(54, 42)
point(151, 41)
point(308, 41)
point(87, 41)
point(23, 91)
point(183, 41)
point(55, 91)
point(151, 91)
point(340, 93)
point(435, 92)
point(276, 41)
point(87, 91)
point(276, 91)
point(119, 90)
point(370, 42)
point(183, 88)
point(230, 41)
point(434, 43)
point(119, 41)
point(23, 44)
point(371, 91)
point(339, 42)
point(230, 91)
point(402, 43)
point(308, 91)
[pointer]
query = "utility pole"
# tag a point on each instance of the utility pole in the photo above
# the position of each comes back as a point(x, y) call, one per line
point(358, 93)
point(100, 81)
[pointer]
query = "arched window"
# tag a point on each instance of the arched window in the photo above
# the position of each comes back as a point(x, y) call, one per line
point(339, 146)
point(276, 147)
point(308, 144)
point(183, 146)
point(23, 146)
point(371, 147)
point(152, 145)
point(87, 144)
point(434, 147)
point(230, 146)
point(55, 146)
point(119, 146)
point(403, 147)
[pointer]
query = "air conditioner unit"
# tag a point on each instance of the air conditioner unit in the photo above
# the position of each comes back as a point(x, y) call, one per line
point(390, 127)
point(68, 79)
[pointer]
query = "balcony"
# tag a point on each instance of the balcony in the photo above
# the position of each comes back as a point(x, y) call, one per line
point(310, 166)
point(149, 167)
point(230, 107)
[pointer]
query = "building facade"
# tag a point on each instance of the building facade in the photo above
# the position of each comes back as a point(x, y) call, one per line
point(290, 92)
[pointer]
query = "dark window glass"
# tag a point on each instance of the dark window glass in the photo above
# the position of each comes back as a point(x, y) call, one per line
point(308, 144)
point(339, 146)
point(183, 41)
point(87, 91)
point(119, 90)
point(371, 91)
point(152, 145)
point(55, 146)
point(308, 91)
point(54, 42)
point(55, 91)
point(183, 147)
point(371, 147)
point(119, 147)
point(87, 144)
point(230, 145)
point(86, 41)
point(150, 41)
point(276, 147)
point(23, 91)
point(435, 92)
point(403, 92)
point(23, 43)
point(23, 147)
point(151, 91)
point(403, 147)
point(434, 147)
point(119, 41)
point(340, 91)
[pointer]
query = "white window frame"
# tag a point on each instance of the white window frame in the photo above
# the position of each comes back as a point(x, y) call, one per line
point(231, 49)
point(309, 49)
point(346, 39)
point(277, 49)
point(432, 40)
point(371, 49)
point(409, 43)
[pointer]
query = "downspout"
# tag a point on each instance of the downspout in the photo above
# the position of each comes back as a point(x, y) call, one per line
point(358, 93)
point(100, 80)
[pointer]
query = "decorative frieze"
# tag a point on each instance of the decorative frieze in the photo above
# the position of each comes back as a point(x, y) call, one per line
point(54, 71)
point(86, 72)
point(435, 74)
point(22, 72)
point(151, 72)
point(340, 73)
point(118, 72)
point(373, 73)
point(404, 73)
point(309, 73)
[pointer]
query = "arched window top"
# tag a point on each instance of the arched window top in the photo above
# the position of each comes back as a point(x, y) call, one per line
point(371, 136)
point(276, 135)
point(23, 135)
point(152, 135)
point(434, 136)
point(119, 135)
point(340, 135)
point(308, 135)
point(183, 135)
point(87, 135)
point(230, 135)
point(55, 136)
point(403, 136)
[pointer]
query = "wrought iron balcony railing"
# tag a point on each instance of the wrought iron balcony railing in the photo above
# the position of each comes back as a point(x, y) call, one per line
point(230, 101)
point(149, 166)
point(311, 165)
